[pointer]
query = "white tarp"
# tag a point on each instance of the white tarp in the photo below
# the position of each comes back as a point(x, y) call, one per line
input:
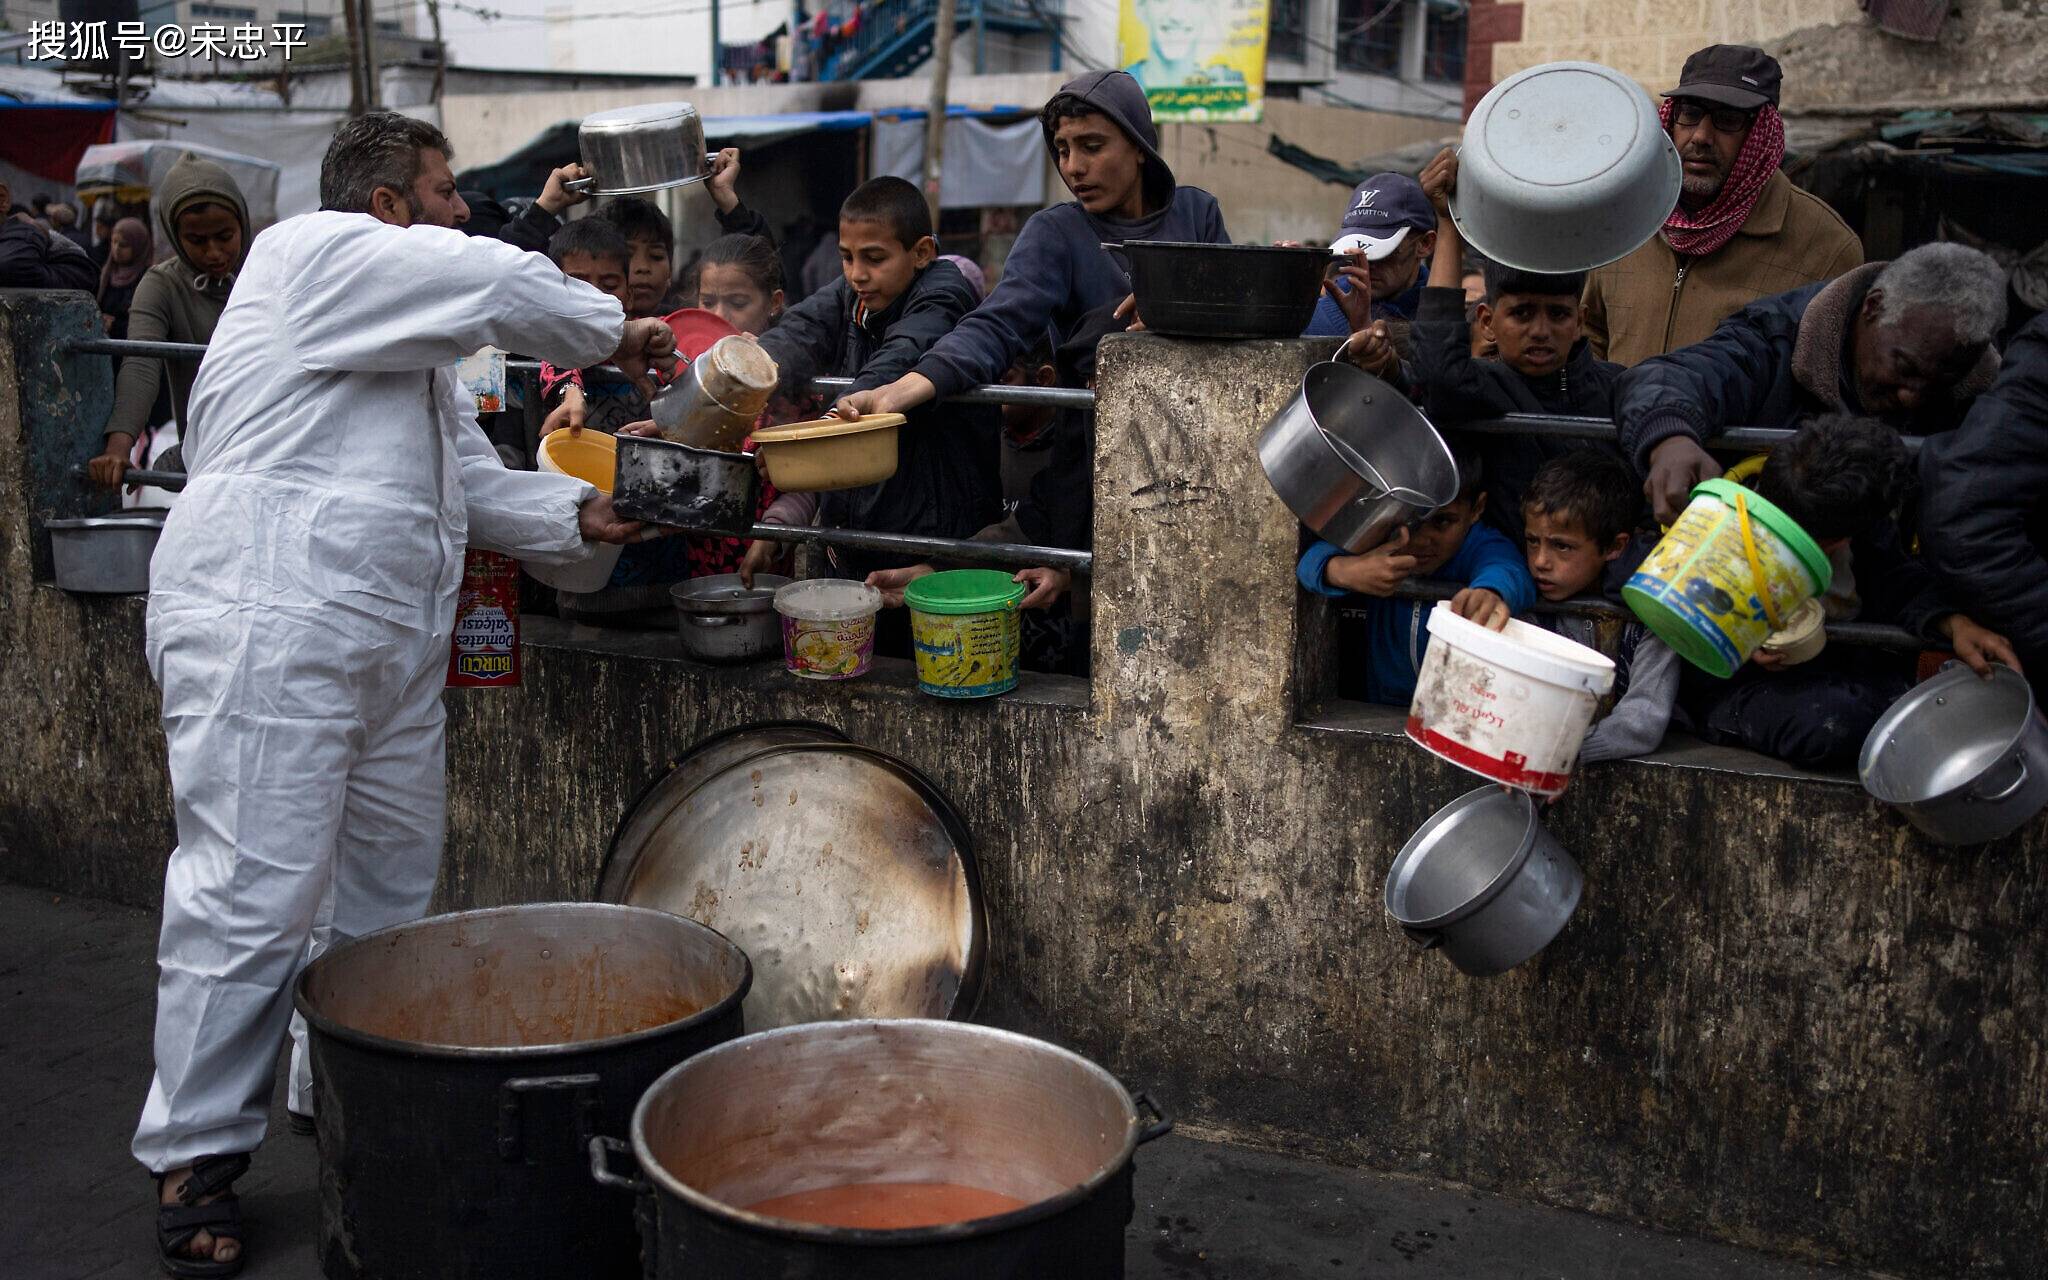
point(984, 163)
point(129, 165)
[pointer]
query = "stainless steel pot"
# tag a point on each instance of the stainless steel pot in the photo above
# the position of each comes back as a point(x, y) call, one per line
point(700, 490)
point(716, 398)
point(1483, 880)
point(106, 555)
point(645, 148)
point(833, 1104)
point(1353, 459)
point(1964, 758)
point(722, 620)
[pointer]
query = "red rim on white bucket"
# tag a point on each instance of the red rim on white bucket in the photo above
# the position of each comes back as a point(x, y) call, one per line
point(1509, 705)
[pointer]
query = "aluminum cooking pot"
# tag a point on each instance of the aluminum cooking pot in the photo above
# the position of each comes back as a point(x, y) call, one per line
point(1485, 881)
point(1353, 459)
point(645, 148)
point(1964, 758)
point(1565, 167)
point(722, 620)
point(700, 490)
point(106, 555)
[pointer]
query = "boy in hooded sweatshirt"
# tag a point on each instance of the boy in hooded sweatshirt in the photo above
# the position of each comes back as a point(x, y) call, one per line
point(202, 213)
point(1099, 130)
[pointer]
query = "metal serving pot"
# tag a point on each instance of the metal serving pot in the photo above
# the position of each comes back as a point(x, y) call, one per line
point(834, 1104)
point(1224, 290)
point(1964, 758)
point(1353, 459)
point(106, 555)
point(720, 619)
point(645, 148)
point(700, 490)
point(715, 399)
point(1483, 880)
point(1564, 167)
point(462, 1064)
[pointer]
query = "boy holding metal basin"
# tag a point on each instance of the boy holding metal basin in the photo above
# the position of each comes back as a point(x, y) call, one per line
point(1449, 545)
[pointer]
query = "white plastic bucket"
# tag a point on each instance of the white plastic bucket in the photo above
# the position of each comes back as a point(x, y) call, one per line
point(1509, 705)
point(589, 457)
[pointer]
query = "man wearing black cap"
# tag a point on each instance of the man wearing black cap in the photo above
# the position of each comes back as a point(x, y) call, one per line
point(1741, 230)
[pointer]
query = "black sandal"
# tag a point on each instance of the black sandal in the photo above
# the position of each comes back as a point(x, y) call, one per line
point(178, 1224)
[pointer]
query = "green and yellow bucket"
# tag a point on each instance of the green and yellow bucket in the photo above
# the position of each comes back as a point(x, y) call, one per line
point(1729, 573)
point(965, 631)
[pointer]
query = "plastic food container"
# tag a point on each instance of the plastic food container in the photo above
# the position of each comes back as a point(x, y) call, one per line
point(830, 453)
point(965, 632)
point(828, 627)
point(1508, 705)
point(1704, 586)
point(592, 457)
point(1802, 637)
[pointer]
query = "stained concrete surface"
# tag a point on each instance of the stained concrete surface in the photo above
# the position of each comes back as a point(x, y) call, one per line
point(76, 990)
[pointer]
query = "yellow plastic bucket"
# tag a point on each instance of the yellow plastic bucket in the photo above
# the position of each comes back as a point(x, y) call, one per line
point(965, 631)
point(1727, 574)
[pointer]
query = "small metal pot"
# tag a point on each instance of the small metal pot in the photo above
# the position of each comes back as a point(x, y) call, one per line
point(716, 398)
point(645, 148)
point(1224, 290)
point(1483, 880)
point(1353, 459)
point(1964, 758)
point(722, 620)
point(700, 490)
point(106, 555)
point(832, 1104)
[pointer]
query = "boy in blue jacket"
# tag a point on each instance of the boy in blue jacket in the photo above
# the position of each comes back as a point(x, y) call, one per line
point(1099, 130)
point(1449, 545)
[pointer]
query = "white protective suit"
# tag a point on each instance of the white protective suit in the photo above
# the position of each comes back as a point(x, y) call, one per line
point(301, 600)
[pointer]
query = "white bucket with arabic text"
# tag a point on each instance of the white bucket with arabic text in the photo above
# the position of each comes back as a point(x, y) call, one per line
point(1508, 705)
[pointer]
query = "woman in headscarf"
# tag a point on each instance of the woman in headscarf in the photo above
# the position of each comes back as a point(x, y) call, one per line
point(201, 210)
point(128, 254)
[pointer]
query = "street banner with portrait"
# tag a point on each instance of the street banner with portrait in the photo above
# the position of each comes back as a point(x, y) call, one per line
point(1197, 59)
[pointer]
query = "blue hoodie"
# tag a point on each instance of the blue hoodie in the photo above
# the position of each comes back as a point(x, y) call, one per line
point(1398, 631)
point(1329, 321)
point(1058, 271)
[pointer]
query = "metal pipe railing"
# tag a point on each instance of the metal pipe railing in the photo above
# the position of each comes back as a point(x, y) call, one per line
point(1009, 555)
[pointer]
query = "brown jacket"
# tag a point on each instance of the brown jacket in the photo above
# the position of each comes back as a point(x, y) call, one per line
point(1654, 301)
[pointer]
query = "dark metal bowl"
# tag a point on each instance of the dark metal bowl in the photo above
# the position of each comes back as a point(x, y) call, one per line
point(1224, 290)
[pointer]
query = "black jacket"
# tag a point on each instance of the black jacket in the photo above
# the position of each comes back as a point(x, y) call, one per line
point(1455, 389)
point(1771, 364)
point(31, 258)
point(1984, 502)
point(947, 482)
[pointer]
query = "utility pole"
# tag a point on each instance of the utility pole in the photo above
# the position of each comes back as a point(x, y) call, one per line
point(717, 49)
point(440, 51)
point(355, 58)
point(935, 117)
point(371, 74)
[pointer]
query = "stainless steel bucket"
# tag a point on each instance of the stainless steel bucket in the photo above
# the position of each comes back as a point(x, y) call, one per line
point(1964, 758)
point(645, 148)
point(1483, 880)
point(106, 555)
point(721, 620)
point(1353, 459)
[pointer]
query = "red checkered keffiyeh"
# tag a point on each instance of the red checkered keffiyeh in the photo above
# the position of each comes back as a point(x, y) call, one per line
point(1694, 234)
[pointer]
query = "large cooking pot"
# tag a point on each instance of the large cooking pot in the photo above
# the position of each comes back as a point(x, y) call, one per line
point(1485, 881)
point(701, 490)
point(1224, 290)
point(106, 555)
point(1964, 758)
point(1564, 167)
point(1353, 459)
point(462, 1064)
point(810, 1109)
point(721, 619)
point(645, 148)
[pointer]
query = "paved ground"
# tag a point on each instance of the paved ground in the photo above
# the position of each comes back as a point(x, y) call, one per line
point(76, 987)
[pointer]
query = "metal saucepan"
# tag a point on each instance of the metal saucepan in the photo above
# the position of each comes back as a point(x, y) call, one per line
point(1353, 459)
point(106, 555)
point(722, 620)
point(701, 490)
point(1964, 758)
point(1485, 881)
point(715, 399)
point(645, 148)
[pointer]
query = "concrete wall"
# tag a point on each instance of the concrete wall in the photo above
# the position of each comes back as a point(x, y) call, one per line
point(1778, 1018)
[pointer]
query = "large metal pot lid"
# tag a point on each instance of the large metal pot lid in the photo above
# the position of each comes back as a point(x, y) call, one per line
point(846, 877)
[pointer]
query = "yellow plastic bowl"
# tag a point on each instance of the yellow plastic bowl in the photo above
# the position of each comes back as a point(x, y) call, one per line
point(590, 456)
point(830, 453)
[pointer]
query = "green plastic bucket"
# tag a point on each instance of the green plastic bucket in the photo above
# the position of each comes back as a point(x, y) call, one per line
point(965, 632)
point(1698, 591)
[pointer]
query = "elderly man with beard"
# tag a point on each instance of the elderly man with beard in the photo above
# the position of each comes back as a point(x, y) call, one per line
point(1741, 230)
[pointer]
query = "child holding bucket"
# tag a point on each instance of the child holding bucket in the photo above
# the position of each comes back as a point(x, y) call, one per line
point(1449, 545)
point(1840, 479)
